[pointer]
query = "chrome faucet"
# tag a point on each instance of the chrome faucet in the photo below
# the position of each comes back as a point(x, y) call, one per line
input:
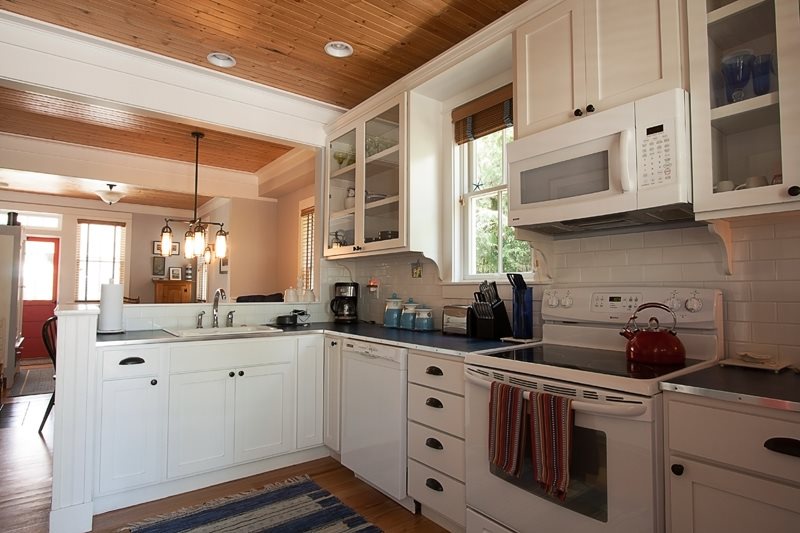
point(229, 321)
point(219, 293)
point(200, 319)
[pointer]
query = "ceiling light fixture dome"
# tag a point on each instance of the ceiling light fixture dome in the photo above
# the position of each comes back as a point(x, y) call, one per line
point(338, 49)
point(221, 59)
point(110, 196)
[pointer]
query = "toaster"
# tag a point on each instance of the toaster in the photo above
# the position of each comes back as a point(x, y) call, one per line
point(454, 319)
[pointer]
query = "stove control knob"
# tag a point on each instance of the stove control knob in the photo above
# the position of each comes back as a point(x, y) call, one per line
point(694, 304)
point(553, 301)
point(566, 301)
point(673, 303)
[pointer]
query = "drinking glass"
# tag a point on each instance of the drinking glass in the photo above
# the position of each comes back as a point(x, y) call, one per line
point(761, 68)
point(736, 70)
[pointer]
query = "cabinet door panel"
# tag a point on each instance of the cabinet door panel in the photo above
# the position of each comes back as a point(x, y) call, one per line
point(200, 422)
point(131, 436)
point(708, 499)
point(632, 50)
point(550, 71)
point(309, 391)
point(265, 412)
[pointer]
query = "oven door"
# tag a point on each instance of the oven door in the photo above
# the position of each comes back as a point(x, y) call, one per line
point(615, 479)
point(582, 169)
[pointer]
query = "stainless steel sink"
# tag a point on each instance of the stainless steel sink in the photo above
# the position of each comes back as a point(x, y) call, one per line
point(213, 332)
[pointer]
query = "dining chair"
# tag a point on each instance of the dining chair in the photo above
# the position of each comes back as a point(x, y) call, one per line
point(49, 331)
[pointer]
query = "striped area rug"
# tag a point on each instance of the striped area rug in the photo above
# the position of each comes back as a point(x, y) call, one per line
point(295, 505)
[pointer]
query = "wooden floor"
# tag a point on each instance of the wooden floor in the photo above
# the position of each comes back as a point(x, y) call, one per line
point(26, 479)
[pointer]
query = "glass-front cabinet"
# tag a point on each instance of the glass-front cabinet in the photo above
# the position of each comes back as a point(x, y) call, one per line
point(745, 81)
point(366, 186)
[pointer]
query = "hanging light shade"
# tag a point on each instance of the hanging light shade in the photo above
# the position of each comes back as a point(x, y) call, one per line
point(166, 240)
point(195, 244)
point(110, 196)
point(221, 243)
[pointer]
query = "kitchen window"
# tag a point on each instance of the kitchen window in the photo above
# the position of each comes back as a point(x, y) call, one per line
point(100, 257)
point(482, 130)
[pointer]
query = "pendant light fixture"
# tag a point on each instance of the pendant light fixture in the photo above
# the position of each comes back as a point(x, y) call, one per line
point(110, 196)
point(195, 242)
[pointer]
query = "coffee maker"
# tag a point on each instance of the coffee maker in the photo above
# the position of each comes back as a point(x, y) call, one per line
point(345, 299)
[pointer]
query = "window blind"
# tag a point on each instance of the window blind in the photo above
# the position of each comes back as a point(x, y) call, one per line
point(484, 115)
point(307, 247)
point(99, 257)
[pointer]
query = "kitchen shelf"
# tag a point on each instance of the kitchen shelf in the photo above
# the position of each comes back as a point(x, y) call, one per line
point(385, 201)
point(741, 22)
point(746, 115)
point(343, 213)
point(345, 173)
point(388, 157)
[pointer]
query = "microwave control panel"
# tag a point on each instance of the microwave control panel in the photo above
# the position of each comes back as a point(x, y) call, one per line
point(655, 156)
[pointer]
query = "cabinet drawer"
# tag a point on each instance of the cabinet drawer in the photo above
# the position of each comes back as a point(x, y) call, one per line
point(440, 410)
point(436, 449)
point(437, 373)
point(439, 492)
point(733, 437)
point(131, 362)
point(215, 355)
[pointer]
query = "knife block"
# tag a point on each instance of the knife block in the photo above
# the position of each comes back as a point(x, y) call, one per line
point(489, 328)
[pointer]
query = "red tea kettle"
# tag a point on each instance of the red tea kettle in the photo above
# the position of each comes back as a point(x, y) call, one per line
point(654, 345)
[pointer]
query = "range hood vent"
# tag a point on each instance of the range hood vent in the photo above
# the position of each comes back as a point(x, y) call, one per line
point(662, 217)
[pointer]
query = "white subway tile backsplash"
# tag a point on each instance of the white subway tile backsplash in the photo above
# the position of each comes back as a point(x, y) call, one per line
point(776, 291)
point(596, 275)
point(753, 233)
point(738, 331)
point(566, 246)
point(732, 291)
point(787, 228)
point(775, 249)
point(702, 271)
point(645, 256)
point(764, 332)
point(627, 241)
point(753, 270)
point(692, 254)
point(670, 237)
point(787, 313)
point(568, 275)
point(697, 235)
point(593, 244)
point(627, 274)
point(741, 251)
point(788, 269)
point(662, 273)
point(615, 258)
point(581, 260)
point(752, 311)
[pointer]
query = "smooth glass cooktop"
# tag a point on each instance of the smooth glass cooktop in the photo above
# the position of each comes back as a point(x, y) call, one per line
point(589, 360)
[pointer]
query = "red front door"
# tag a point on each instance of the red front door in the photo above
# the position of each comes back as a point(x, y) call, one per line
point(39, 291)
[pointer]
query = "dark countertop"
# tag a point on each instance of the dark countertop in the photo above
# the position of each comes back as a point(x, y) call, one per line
point(746, 385)
point(434, 341)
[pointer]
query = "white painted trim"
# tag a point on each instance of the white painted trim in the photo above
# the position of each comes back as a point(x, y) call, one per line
point(27, 154)
point(45, 203)
point(72, 519)
point(48, 58)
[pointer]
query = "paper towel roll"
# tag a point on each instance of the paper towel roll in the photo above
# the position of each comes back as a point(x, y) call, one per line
point(110, 320)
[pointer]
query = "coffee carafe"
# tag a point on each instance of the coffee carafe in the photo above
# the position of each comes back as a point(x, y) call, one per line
point(344, 303)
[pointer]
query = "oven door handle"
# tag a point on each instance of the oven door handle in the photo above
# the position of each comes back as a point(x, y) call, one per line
point(578, 406)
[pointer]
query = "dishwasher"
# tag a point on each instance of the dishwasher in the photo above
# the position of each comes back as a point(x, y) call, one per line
point(374, 406)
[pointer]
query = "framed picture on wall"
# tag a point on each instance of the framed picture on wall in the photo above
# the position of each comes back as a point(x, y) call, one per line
point(156, 247)
point(158, 265)
point(223, 265)
point(175, 273)
point(176, 249)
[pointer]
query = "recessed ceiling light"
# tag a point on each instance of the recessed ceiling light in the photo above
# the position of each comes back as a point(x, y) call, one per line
point(221, 59)
point(338, 49)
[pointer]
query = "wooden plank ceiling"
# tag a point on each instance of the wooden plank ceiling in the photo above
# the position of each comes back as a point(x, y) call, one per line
point(280, 43)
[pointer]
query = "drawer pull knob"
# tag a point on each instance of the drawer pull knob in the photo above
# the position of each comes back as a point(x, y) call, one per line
point(784, 445)
point(434, 402)
point(241, 372)
point(433, 443)
point(677, 469)
point(434, 485)
point(153, 382)
point(434, 371)
point(231, 374)
point(132, 361)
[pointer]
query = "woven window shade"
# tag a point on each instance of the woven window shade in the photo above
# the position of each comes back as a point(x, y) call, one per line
point(307, 247)
point(490, 113)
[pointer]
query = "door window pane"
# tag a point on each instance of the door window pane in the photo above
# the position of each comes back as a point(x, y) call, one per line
point(37, 270)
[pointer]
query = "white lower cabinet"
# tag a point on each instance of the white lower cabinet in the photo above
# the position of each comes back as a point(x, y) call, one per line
point(132, 418)
point(333, 392)
point(477, 523)
point(230, 402)
point(436, 460)
point(732, 467)
point(310, 390)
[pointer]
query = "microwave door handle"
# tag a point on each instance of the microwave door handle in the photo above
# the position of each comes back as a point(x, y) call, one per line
point(625, 141)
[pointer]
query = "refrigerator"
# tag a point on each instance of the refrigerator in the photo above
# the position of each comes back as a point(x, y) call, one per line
point(11, 243)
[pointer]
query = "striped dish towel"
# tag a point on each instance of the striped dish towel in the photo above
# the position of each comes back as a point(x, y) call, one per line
point(506, 427)
point(551, 441)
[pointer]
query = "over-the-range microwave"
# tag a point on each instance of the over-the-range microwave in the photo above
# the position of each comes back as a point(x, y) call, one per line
point(616, 169)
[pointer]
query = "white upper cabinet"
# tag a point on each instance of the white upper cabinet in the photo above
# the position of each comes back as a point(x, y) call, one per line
point(745, 79)
point(583, 56)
